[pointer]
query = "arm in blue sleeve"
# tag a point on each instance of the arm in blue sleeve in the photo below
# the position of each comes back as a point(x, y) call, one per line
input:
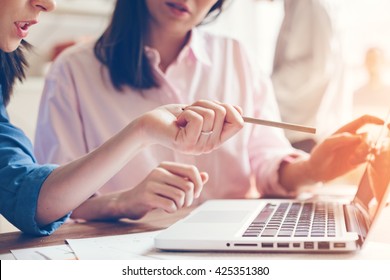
point(21, 179)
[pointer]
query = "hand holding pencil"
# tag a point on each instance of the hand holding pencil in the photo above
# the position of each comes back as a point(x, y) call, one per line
point(233, 113)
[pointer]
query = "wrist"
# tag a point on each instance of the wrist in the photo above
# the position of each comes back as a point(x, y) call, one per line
point(308, 172)
point(126, 205)
point(296, 171)
point(143, 131)
point(113, 209)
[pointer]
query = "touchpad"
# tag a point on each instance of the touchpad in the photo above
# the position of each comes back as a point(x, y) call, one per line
point(218, 217)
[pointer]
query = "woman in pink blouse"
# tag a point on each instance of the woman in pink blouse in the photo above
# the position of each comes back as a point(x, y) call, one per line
point(152, 54)
point(39, 198)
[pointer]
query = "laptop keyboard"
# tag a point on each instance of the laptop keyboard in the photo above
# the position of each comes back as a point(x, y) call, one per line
point(296, 219)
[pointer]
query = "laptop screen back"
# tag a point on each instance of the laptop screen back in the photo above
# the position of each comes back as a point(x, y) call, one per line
point(371, 195)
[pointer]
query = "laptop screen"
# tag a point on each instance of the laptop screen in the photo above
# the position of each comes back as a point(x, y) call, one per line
point(371, 193)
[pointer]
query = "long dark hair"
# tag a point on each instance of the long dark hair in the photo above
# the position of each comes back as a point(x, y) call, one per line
point(121, 47)
point(12, 68)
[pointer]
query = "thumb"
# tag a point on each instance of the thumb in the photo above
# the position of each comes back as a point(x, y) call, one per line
point(204, 176)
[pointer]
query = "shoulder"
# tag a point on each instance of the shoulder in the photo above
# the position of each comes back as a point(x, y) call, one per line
point(79, 50)
point(80, 53)
point(79, 58)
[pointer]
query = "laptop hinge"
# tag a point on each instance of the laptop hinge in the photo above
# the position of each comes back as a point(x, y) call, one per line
point(355, 222)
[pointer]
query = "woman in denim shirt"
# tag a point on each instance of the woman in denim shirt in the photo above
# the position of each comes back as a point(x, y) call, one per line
point(38, 198)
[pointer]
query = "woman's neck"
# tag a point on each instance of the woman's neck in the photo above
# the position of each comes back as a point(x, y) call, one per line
point(168, 44)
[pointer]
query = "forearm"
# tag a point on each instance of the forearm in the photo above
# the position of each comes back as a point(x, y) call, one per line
point(70, 185)
point(101, 207)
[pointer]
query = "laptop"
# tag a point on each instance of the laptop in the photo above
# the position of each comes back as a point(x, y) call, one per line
point(284, 224)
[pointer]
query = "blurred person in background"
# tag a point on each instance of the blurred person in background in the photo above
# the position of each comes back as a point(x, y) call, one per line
point(307, 73)
point(374, 96)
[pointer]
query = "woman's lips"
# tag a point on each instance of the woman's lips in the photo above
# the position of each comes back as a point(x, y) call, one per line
point(178, 8)
point(22, 27)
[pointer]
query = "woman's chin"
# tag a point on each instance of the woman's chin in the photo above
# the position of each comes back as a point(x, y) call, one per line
point(10, 46)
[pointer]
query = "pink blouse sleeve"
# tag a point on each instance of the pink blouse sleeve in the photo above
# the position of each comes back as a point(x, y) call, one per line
point(59, 135)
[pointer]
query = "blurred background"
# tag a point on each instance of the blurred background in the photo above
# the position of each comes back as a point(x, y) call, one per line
point(361, 27)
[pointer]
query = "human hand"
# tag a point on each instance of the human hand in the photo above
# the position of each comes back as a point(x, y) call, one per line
point(341, 152)
point(170, 186)
point(195, 129)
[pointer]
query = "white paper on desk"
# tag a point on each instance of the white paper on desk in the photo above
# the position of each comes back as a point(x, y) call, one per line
point(57, 252)
point(117, 247)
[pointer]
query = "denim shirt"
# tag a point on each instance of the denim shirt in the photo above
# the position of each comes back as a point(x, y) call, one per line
point(21, 178)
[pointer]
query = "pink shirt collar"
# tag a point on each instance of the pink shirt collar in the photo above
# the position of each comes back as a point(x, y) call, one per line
point(194, 50)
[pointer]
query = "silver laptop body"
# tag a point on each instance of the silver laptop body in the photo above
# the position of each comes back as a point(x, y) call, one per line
point(284, 225)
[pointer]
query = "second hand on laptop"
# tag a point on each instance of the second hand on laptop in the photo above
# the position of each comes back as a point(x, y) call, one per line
point(283, 125)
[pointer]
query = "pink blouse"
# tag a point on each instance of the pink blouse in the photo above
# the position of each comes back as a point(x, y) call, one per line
point(80, 109)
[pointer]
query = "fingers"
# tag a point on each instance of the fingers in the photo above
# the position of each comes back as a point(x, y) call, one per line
point(353, 126)
point(191, 124)
point(207, 124)
point(207, 118)
point(207, 114)
point(172, 186)
point(172, 198)
point(199, 124)
point(355, 143)
point(214, 139)
point(337, 141)
point(233, 121)
point(343, 151)
point(239, 109)
point(214, 121)
point(186, 177)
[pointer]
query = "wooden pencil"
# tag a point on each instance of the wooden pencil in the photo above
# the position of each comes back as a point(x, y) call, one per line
point(283, 125)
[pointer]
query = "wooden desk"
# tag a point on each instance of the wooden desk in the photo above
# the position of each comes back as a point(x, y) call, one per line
point(153, 221)
point(379, 240)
